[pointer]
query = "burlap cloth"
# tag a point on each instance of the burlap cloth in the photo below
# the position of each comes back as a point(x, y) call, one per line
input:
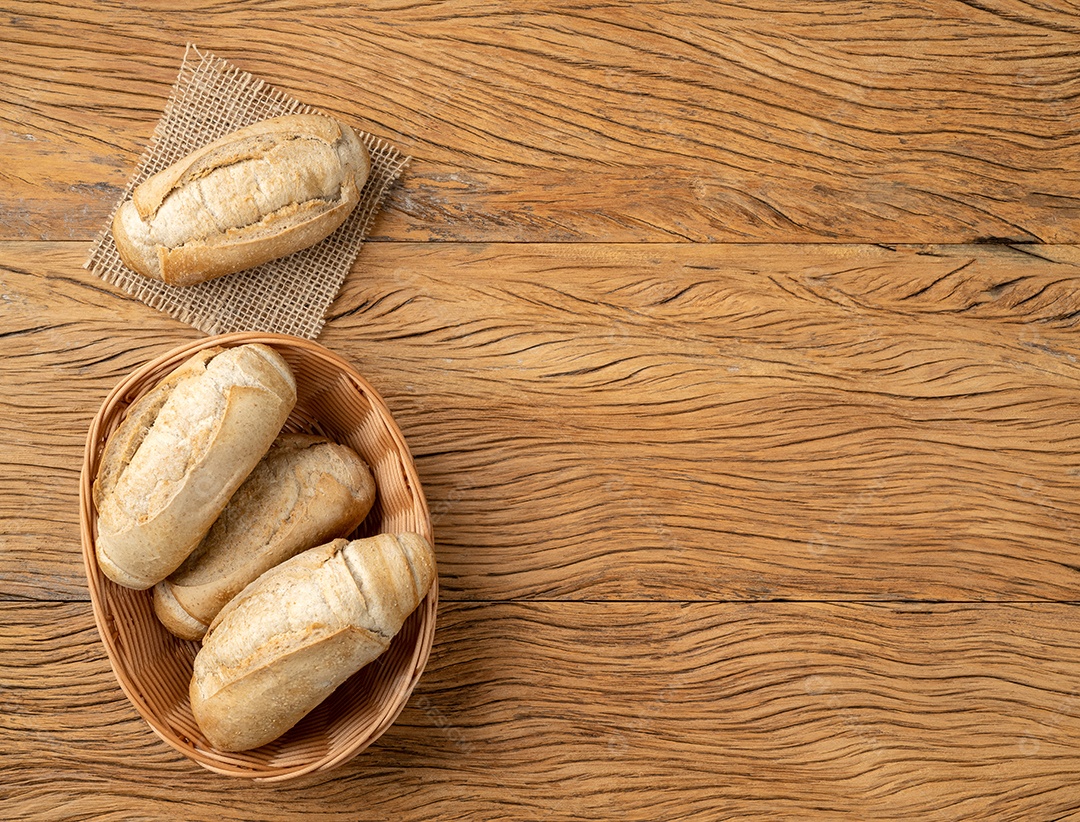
point(289, 295)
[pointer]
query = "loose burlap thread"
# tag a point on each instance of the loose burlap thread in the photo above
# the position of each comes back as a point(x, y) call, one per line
point(289, 295)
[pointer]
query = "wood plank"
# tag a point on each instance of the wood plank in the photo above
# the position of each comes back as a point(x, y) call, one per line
point(611, 710)
point(735, 423)
point(605, 422)
point(652, 121)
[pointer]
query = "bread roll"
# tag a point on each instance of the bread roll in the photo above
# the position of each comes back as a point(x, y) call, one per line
point(288, 640)
point(305, 491)
point(182, 450)
point(264, 191)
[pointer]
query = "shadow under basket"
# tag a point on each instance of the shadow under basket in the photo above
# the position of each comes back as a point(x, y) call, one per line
point(154, 667)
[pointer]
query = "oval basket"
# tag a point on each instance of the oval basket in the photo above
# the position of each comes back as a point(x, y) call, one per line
point(154, 667)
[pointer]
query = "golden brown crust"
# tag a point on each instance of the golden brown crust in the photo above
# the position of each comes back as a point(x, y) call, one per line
point(191, 264)
point(128, 436)
point(158, 498)
point(305, 491)
point(245, 143)
point(259, 193)
point(291, 637)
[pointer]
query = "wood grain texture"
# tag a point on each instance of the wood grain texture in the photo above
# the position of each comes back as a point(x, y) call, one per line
point(603, 711)
point(736, 423)
point(673, 422)
point(656, 121)
point(736, 343)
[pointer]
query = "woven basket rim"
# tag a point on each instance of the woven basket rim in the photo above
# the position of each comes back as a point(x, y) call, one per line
point(122, 394)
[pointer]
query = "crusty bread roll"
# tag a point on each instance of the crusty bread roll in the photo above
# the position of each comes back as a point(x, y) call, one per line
point(305, 491)
point(262, 192)
point(289, 639)
point(182, 450)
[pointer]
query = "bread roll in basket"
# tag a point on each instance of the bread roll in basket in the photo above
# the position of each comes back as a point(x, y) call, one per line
point(154, 668)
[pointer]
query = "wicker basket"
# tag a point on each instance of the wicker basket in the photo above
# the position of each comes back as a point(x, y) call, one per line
point(154, 668)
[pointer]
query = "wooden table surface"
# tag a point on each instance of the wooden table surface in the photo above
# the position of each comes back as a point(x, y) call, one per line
point(737, 347)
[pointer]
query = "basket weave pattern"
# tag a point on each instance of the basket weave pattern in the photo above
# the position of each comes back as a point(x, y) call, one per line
point(154, 668)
